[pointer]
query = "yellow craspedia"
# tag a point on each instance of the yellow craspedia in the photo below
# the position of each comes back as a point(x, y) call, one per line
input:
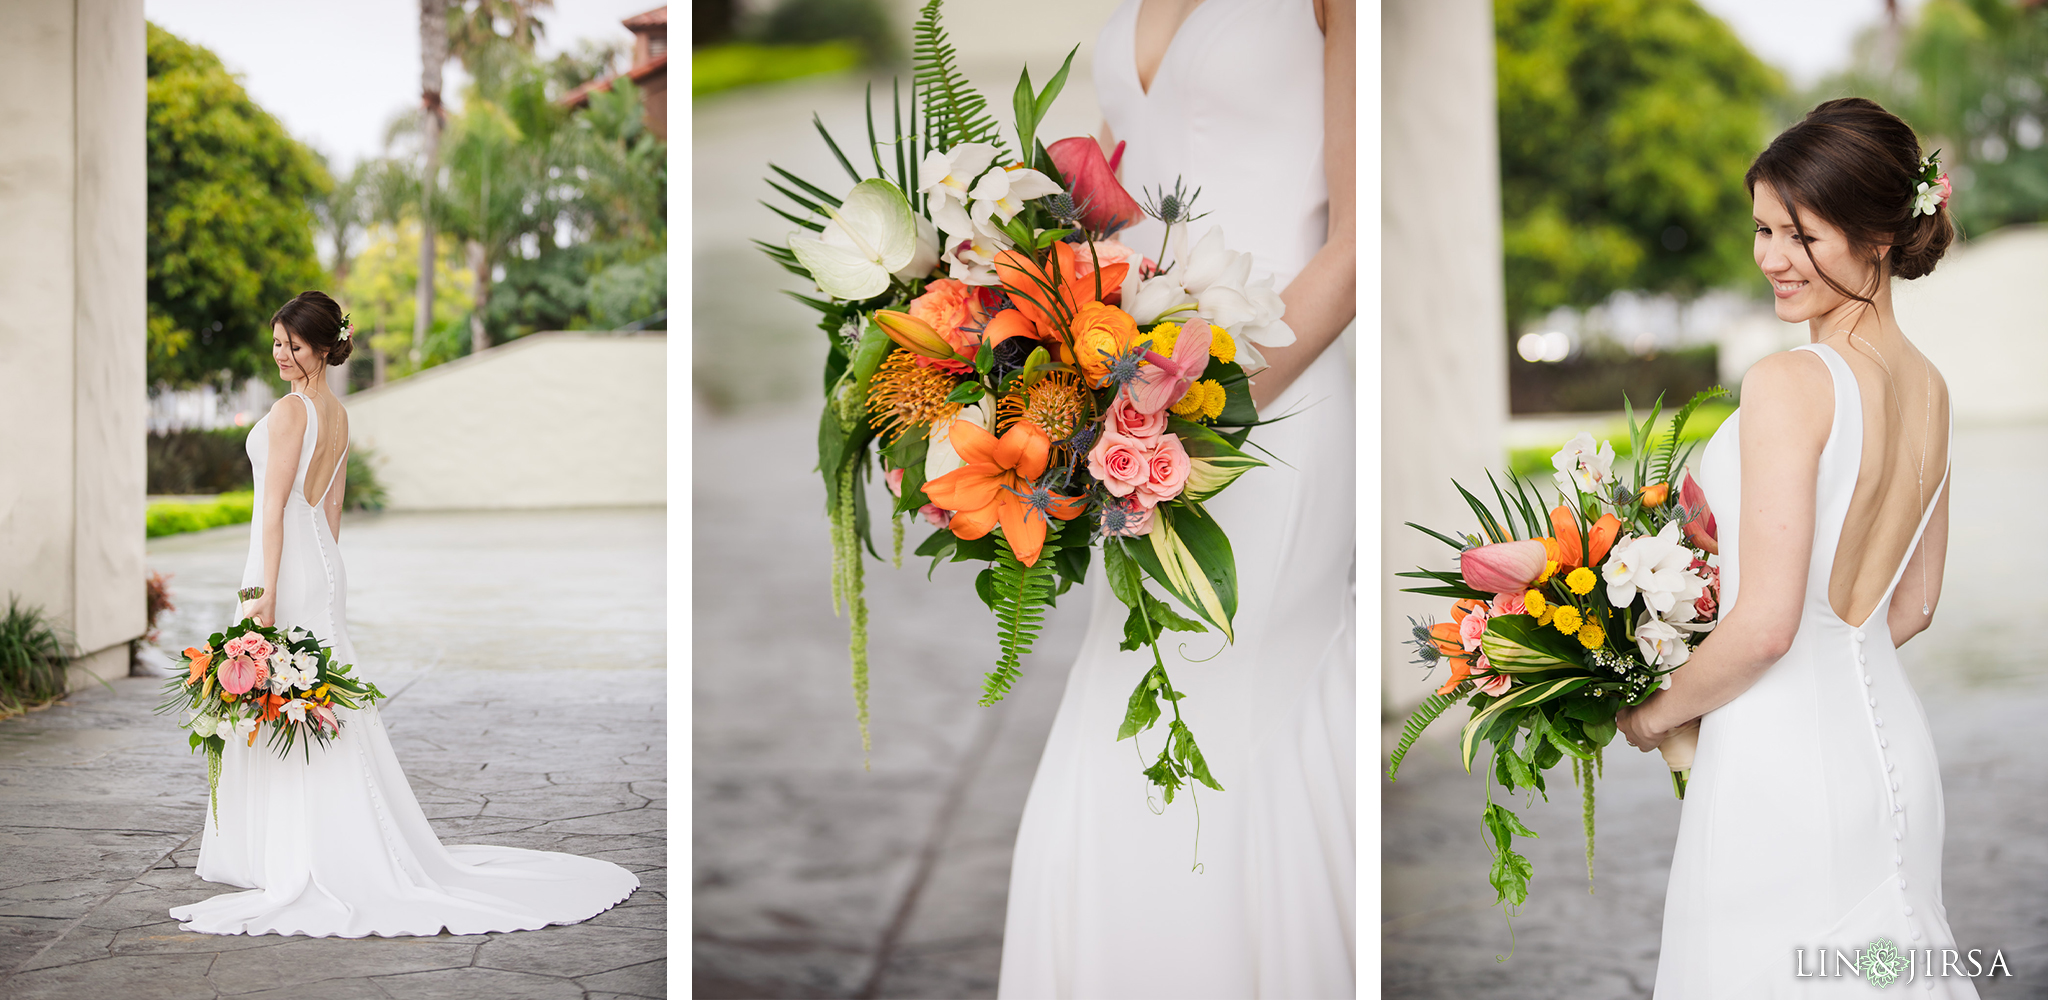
point(1567, 620)
point(1533, 600)
point(1163, 337)
point(1581, 581)
point(1203, 401)
point(1592, 636)
point(1222, 346)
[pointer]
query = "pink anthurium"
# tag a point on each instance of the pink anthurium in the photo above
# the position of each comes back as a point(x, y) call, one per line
point(240, 673)
point(1701, 530)
point(1166, 380)
point(1503, 567)
point(1092, 181)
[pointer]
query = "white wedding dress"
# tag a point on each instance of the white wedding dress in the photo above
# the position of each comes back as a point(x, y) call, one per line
point(1104, 897)
point(1813, 815)
point(337, 846)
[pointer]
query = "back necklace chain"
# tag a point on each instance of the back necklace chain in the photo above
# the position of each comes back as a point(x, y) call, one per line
point(1926, 435)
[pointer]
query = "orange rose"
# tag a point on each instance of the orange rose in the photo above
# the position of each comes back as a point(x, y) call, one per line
point(1102, 333)
point(954, 310)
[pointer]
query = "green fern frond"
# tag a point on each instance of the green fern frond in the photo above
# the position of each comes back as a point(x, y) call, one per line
point(953, 111)
point(1667, 462)
point(1420, 719)
point(1022, 593)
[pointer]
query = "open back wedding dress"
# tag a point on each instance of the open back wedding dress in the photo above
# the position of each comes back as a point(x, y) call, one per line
point(336, 846)
point(1813, 816)
point(1105, 897)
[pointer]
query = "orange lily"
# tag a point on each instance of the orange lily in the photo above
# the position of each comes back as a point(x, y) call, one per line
point(273, 705)
point(1445, 635)
point(991, 488)
point(200, 658)
point(1573, 552)
point(1026, 282)
point(1006, 324)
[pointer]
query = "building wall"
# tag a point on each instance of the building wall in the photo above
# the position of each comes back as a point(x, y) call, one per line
point(72, 319)
point(1444, 339)
point(1982, 318)
point(548, 420)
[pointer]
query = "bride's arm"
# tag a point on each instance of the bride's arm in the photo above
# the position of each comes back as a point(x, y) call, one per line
point(1321, 300)
point(1920, 583)
point(1787, 411)
point(287, 433)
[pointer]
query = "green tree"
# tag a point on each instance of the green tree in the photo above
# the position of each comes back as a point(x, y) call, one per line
point(381, 298)
point(1625, 129)
point(1971, 76)
point(231, 225)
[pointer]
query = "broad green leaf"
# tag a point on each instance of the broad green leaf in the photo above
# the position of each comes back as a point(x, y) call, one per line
point(1516, 644)
point(1521, 695)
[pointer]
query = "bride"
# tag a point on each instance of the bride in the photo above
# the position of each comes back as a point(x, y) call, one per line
point(1249, 891)
point(336, 845)
point(1813, 817)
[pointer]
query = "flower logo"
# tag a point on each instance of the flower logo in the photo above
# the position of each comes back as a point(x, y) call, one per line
point(1881, 964)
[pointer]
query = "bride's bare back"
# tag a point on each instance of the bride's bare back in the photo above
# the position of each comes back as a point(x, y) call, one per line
point(1905, 405)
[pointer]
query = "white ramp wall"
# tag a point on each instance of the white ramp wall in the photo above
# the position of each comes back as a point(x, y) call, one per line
point(548, 420)
point(1982, 318)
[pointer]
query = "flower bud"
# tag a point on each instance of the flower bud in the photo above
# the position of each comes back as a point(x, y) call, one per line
point(914, 335)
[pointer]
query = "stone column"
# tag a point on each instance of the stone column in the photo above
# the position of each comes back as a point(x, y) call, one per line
point(1443, 341)
point(72, 320)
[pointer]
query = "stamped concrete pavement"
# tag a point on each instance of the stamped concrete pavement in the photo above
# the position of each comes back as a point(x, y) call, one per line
point(523, 655)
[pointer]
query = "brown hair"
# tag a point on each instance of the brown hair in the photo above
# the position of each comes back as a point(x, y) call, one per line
point(1858, 166)
point(315, 321)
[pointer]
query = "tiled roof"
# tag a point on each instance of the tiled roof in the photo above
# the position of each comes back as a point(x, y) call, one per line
point(657, 16)
point(638, 74)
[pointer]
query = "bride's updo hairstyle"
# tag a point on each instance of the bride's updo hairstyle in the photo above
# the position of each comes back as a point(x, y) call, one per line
point(1857, 165)
point(315, 320)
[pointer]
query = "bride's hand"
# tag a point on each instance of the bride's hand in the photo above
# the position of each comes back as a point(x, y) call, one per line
point(1635, 723)
point(264, 610)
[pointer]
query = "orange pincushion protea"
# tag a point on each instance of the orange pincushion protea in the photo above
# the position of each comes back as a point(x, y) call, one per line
point(906, 394)
point(1056, 404)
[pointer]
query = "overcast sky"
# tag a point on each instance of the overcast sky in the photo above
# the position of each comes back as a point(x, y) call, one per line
point(337, 71)
point(1807, 39)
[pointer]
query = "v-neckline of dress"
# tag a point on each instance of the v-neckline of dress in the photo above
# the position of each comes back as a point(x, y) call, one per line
point(1165, 55)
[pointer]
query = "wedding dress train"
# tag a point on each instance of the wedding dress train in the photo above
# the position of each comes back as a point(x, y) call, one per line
point(1106, 896)
point(336, 845)
point(1813, 816)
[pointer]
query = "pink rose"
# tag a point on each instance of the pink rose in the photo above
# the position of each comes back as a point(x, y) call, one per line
point(1125, 418)
point(894, 480)
point(1126, 519)
point(937, 515)
point(1166, 470)
point(1473, 627)
point(1497, 684)
point(1945, 189)
point(1509, 603)
point(1103, 252)
point(1121, 463)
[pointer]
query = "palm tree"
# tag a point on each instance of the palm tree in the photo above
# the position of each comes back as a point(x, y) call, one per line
point(433, 55)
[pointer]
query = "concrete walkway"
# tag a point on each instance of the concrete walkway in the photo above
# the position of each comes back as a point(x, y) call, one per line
point(523, 653)
point(1978, 672)
point(814, 877)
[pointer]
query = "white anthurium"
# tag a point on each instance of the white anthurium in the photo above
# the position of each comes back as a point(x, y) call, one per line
point(871, 236)
point(949, 174)
point(927, 255)
point(1003, 192)
point(939, 456)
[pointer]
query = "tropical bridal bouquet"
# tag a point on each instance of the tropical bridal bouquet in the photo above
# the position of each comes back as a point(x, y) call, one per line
point(1028, 386)
point(248, 676)
point(1561, 618)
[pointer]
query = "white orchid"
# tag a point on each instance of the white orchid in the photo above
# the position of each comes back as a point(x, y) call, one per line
point(1003, 192)
point(939, 456)
point(242, 726)
point(1663, 642)
point(972, 257)
point(872, 235)
point(949, 174)
point(1579, 465)
point(1659, 568)
point(295, 709)
point(1215, 283)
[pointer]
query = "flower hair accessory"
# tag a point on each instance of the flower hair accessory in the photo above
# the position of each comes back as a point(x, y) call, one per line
point(1932, 188)
point(347, 329)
